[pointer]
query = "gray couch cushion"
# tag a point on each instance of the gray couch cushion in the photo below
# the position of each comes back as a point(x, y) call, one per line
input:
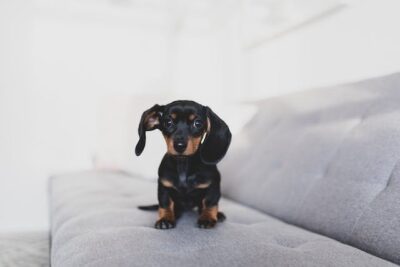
point(95, 222)
point(25, 249)
point(326, 160)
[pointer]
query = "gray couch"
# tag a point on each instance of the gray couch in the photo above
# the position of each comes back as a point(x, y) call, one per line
point(313, 180)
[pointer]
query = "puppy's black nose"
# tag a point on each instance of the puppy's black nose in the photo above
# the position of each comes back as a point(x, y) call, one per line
point(179, 146)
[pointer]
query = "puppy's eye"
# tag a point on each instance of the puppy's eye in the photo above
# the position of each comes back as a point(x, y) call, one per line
point(168, 123)
point(197, 124)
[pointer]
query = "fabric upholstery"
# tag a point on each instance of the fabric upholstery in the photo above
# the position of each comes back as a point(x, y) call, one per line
point(326, 160)
point(95, 222)
point(24, 249)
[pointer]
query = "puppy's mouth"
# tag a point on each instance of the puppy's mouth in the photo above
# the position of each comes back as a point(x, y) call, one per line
point(182, 148)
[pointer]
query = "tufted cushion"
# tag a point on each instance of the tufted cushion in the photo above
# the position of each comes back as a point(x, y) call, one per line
point(95, 222)
point(326, 160)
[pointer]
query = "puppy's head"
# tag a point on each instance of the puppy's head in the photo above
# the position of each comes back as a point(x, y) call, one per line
point(184, 124)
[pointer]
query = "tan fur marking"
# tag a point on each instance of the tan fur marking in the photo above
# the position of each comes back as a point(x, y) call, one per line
point(173, 115)
point(168, 213)
point(208, 125)
point(170, 145)
point(192, 146)
point(167, 183)
point(192, 117)
point(151, 120)
point(209, 213)
point(202, 186)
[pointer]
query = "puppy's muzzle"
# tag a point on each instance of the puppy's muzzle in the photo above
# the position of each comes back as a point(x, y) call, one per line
point(180, 146)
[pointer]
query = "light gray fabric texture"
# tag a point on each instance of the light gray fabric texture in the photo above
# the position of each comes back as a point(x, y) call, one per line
point(95, 222)
point(326, 160)
point(25, 249)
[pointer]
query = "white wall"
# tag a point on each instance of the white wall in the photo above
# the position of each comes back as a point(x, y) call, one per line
point(55, 65)
point(360, 41)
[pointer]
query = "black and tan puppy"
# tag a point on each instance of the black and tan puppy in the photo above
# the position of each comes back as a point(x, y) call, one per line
point(197, 139)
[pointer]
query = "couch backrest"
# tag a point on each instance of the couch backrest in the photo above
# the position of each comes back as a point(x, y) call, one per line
point(326, 160)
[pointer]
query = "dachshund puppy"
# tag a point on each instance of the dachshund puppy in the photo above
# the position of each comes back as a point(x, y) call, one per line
point(197, 139)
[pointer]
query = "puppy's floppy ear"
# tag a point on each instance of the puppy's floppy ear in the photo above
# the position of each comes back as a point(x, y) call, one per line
point(217, 141)
point(149, 121)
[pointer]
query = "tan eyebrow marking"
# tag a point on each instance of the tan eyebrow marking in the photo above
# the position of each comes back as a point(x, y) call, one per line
point(173, 115)
point(192, 117)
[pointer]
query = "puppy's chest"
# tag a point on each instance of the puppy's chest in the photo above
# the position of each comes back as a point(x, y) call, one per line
point(183, 179)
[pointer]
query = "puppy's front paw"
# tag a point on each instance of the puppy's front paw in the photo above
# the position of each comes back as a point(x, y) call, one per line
point(164, 224)
point(206, 223)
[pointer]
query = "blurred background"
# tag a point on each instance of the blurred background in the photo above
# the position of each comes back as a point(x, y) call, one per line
point(75, 75)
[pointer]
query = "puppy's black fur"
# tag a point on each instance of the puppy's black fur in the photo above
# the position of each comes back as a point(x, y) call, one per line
point(188, 175)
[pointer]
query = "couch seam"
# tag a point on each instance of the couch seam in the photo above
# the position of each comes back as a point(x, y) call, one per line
point(367, 206)
point(361, 119)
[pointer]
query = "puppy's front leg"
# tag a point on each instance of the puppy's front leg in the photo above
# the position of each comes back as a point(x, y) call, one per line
point(209, 207)
point(166, 209)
